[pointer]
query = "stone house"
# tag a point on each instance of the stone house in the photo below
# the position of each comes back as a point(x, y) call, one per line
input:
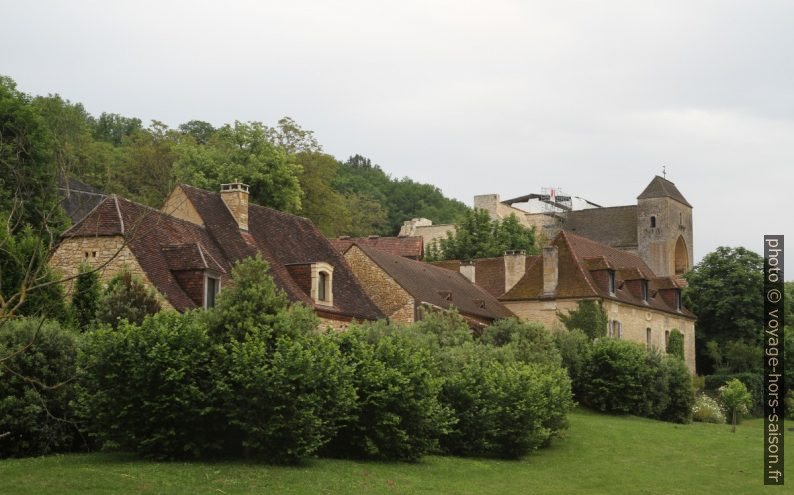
point(186, 249)
point(641, 306)
point(404, 288)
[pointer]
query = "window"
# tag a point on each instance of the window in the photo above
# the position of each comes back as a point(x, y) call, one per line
point(678, 304)
point(648, 338)
point(611, 282)
point(666, 340)
point(322, 286)
point(211, 287)
point(644, 285)
point(653, 222)
point(615, 329)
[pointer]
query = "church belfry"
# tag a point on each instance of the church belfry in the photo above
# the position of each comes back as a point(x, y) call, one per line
point(664, 228)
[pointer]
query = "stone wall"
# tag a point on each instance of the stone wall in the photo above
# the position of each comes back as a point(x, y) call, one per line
point(656, 245)
point(71, 253)
point(178, 205)
point(634, 320)
point(384, 291)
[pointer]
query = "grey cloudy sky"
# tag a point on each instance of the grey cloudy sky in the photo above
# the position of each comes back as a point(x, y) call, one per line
point(475, 97)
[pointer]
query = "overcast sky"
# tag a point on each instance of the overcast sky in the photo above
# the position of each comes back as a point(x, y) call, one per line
point(475, 97)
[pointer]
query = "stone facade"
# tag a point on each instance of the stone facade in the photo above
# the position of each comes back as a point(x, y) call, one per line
point(178, 205)
point(424, 228)
point(96, 251)
point(665, 235)
point(397, 304)
point(634, 322)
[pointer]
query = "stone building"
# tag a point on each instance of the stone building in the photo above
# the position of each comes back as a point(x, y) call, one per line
point(641, 306)
point(404, 288)
point(186, 249)
point(658, 228)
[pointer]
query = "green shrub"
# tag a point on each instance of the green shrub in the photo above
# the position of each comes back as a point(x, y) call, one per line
point(574, 347)
point(36, 373)
point(617, 377)
point(504, 408)
point(681, 392)
point(286, 403)
point(736, 400)
point(789, 401)
point(753, 381)
point(622, 377)
point(707, 410)
point(397, 415)
point(530, 342)
point(589, 317)
point(675, 344)
point(127, 298)
point(151, 388)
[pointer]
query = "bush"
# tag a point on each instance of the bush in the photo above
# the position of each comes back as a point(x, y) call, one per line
point(574, 347)
point(736, 400)
point(675, 344)
point(504, 408)
point(127, 298)
point(397, 415)
point(588, 317)
point(530, 342)
point(36, 387)
point(622, 377)
point(680, 389)
point(86, 297)
point(284, 404)
point(707, 410)
point(151, 388)
point(617, 377)
point(753, 381)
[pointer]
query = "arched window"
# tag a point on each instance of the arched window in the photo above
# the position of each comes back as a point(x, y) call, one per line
point(653, 222)
point(322, 286)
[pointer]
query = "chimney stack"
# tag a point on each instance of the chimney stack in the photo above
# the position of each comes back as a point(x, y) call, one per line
point(467, 269)
point(515, 266)
point(551, 271)
point(235, 195)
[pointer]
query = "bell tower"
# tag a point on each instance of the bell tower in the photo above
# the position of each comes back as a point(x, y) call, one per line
point(664, 228)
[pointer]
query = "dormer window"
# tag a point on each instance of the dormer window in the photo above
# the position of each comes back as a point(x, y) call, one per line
point(211, 287)
point(322, 283)
point(653, 222)
point(322, 286)
point(611, 275)
point(644, 285)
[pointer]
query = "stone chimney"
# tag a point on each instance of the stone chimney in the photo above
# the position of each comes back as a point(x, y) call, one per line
point(467, 269)
point(235, 195)
point(551, 271)
point(515, 266)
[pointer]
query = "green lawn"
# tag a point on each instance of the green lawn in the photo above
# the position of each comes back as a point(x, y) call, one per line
point(601, 454)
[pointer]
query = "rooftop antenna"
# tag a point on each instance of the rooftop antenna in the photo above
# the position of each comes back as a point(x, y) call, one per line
point(664, 171)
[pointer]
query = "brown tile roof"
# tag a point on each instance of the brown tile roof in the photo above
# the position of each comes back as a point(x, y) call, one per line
point(408, 246)
point(438, 286)
point(614, 225)
point(146, 232)
point(576, 256)
point(162, 243)
point(663, 188)
point(283, 239)
point(489, 273)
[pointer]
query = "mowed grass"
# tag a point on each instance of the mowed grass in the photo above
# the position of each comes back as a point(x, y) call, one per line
point(600, 455)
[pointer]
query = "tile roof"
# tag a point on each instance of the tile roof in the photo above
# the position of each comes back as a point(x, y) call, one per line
point(663, 188)
point(579, 261)
point(489, 273)
point(437, 286)
point(614, 225)
point(162, 243)
point(408, 246)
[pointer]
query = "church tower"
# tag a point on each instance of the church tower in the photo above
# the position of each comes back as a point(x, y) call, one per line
point(664, 228)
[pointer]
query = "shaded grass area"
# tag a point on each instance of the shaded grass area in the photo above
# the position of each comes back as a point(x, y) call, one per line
point(601, 454)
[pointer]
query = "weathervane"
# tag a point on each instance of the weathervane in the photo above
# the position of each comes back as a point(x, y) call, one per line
point(664, 171)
